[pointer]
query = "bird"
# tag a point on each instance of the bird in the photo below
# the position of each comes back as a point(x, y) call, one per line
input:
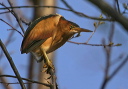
point(48, 33)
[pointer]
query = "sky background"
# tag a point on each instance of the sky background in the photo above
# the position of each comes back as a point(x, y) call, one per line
point(77, 66)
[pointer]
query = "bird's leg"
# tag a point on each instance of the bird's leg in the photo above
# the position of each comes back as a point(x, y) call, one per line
point(48, 62)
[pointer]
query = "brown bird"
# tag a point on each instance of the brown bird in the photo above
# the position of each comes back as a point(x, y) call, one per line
point(48, 33)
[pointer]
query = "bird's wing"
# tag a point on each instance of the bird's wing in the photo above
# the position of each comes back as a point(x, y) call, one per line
point(36, 35)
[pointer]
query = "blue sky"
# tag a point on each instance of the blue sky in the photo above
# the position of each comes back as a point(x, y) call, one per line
point(77, 66)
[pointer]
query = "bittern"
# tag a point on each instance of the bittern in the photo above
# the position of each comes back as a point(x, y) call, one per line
point(48, 33)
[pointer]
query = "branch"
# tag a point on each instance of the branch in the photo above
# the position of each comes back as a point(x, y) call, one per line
point(7, 42)
point(14, 14)
point(76, 12)
point(8, 83)
point(108, 51)
point(118, 68)
point(117, 4)
point(12, 27)
point(109, 45)
point(107, 66)
point(4, 12)
point(115, 72)
point(67, 4)
point(110, 11)
point(12, 64)
point(47, 85)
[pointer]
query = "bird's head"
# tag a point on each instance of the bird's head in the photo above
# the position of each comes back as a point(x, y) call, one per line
point(74, 28)
point(69, 27)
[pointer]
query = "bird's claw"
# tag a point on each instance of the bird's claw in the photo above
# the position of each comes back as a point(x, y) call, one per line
point(49, 66)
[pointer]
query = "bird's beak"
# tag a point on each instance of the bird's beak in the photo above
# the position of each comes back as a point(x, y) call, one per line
point(82, 30)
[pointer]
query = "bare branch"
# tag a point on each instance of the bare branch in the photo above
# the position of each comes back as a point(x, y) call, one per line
point(96, 25)
point(67, 4)
point(109, 45)
point(12, 27)
point(108, 51)
point(12, 64)
point(47, 85)
point(78, 13)
point(9, 40)
point(118, 7)
point(107, 66)
point(118, 68)
point(110, 11)
point(8, 83)
point(4, 12)
point(15, 15)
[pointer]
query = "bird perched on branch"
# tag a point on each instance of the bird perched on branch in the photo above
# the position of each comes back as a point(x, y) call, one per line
point(48, 33)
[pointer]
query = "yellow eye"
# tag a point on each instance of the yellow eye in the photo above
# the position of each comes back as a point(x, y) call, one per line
point(71, 27)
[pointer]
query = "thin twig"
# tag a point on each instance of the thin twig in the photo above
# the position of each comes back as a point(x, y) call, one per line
point(12, 64)
point(69, 6)
point(102, 5)
point(96, 25)
point(9, 40)
point(91, 35)
point(25, 22)
point(12, 27)
point(108, 51)
point(118, 7)
point(15, 15)
point(125, 8)
point(4, 12)
point(14, 83)
point(109, 45)
point(65, 3)
point(107, 66)
point(47, 85)
point(118, 68)
point(78, 13)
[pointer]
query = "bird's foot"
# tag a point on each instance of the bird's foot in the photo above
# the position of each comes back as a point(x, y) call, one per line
point(49, 66)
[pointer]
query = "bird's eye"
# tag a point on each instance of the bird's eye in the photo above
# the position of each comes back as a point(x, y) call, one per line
point(71, 27)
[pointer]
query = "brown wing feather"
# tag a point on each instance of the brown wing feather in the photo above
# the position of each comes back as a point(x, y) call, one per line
point(36, 36)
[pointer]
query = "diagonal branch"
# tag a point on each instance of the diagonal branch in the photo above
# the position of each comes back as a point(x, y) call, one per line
point(67, 4)
point(12, 64)
point(118, 68)
point(12, 27)
point(117, 4)
point(15, 15)
point(110, 11)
